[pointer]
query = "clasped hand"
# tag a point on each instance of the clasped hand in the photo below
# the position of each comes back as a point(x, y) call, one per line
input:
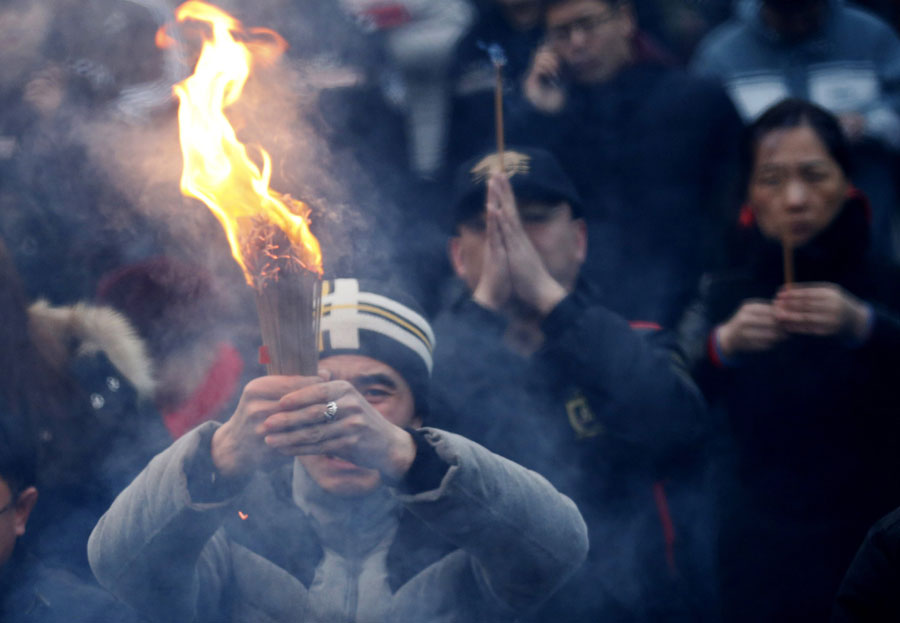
point(512, 267)
point(286, 414)
point(822, 309)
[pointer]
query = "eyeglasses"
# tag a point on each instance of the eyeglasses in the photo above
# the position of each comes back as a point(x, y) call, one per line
point(585, 25)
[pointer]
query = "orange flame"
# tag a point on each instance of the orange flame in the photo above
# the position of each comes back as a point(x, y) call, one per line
point(217, 168)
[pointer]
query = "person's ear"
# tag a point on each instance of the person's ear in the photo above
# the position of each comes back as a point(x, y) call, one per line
point(627, 20)
point(581, 239)
point(24, 505)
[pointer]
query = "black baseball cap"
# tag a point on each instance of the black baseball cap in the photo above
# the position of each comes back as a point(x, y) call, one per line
point(535, 175)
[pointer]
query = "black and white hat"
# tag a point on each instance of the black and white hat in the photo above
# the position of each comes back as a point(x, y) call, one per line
point(361, 317)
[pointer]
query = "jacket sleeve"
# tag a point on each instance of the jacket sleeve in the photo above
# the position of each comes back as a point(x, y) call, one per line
point(157, 547)
point(636, 373)
point(884, 338)
point(523, 537)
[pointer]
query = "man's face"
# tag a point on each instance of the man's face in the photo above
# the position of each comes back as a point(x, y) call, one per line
point(389, 394)
point(521, 14)
point(592, 37)
point(14, 512)
point(559, 239)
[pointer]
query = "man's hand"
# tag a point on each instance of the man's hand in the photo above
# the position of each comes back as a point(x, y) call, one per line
point(752, 329)
point(238, 447)
point(531, 283)
point(494, 287)
point(822, 309)
point(543, 84)
point(359, 433)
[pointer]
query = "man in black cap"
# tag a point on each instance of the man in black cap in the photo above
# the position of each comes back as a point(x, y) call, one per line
point(375, 519)
point(535, 368)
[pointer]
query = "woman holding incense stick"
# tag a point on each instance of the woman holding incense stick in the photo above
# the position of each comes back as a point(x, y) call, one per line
point(797, 350)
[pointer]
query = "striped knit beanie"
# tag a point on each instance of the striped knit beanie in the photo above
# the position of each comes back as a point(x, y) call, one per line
point(361, 317)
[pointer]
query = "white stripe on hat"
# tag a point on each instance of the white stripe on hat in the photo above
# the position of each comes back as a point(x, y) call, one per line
point(342, 319)
point(344, 290)
point(401, 310)
point(395, 332)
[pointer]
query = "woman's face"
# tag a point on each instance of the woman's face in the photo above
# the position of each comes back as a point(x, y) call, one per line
point(797, 188)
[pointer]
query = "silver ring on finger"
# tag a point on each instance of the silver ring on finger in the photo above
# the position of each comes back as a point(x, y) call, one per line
point(330, 411)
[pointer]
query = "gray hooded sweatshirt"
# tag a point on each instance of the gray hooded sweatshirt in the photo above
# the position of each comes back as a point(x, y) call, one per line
point(850, 64)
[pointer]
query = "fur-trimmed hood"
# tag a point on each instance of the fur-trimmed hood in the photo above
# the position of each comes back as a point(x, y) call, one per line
point(83, 329)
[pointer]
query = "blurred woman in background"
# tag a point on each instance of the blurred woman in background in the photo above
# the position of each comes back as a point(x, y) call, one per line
point(804, 375)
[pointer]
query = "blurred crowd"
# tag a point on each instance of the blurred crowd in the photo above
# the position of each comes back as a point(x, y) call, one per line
point(675, 294)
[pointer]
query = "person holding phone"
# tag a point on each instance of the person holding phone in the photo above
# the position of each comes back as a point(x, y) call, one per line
point(647, 145)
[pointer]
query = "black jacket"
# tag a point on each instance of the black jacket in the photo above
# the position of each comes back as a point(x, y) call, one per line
point(604, 411)
point(809, 428)
point(869, 593)
point(653, 154)
point(33, 592)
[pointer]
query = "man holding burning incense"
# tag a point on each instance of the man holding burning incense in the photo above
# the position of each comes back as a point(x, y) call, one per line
point(374, 519)
point(533, 366)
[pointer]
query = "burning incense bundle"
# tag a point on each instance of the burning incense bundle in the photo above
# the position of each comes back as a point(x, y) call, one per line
point(287, 303)
point(268, 232)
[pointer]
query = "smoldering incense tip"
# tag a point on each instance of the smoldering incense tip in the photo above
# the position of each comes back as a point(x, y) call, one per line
point(495, 52)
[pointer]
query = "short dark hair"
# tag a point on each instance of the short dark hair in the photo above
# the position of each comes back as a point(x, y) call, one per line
point(794, 113)
point(613, 3)
point(18, 452)
point(788, 6)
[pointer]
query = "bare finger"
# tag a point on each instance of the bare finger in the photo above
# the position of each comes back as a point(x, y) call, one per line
point(318, 393)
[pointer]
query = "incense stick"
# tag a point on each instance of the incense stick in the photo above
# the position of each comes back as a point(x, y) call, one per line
point(787, 256)
point(498, 115)
point(498, 58)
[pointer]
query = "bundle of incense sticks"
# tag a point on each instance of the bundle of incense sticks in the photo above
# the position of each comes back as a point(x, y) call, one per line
point(288, 301)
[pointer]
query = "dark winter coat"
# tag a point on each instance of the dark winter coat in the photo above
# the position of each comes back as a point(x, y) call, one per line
point(33, 592)
point(810, 426)
point(606, 412)
point(869, 592)
point(653, 154)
